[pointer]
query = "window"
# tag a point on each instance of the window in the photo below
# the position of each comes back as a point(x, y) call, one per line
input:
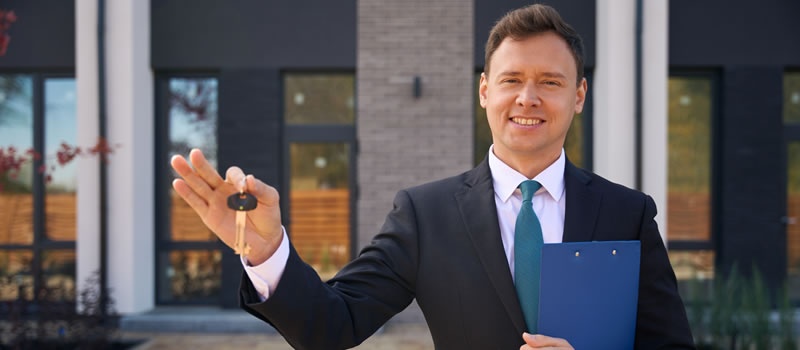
point(320, 132)
point(791, 118)
point(37, 201)
point(313, 99)
point(577, 144)
point(188, 256)
point(791, 97)
point(689, 204)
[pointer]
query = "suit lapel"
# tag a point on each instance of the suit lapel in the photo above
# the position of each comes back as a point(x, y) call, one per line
point(583, 204)
point(479, 213)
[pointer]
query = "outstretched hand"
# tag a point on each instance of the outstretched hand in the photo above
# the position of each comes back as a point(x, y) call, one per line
point(207, 193)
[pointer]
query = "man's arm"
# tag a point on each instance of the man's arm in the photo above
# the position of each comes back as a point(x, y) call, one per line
point(661, 320)
point(349, 308)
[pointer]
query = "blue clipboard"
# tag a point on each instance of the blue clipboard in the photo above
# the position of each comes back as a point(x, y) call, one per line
point(589, 293)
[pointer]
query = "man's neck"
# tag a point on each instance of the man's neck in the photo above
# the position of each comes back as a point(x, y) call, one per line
point(529, 165)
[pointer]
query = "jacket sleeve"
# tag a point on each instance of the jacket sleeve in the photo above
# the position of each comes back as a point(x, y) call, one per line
point(661, 321)
point(346, 310)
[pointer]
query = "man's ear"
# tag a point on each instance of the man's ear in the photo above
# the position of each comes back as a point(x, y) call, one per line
point(580, 97)
point(482, 89)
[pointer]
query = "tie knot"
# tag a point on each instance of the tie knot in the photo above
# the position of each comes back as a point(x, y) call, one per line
point(528, 188)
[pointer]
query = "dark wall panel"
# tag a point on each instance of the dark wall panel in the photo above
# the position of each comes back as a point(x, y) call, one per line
point(197, 34)
point(753, 192)
point(580, 14)
point(250, 137)
point(723, 32)
point(43, 37)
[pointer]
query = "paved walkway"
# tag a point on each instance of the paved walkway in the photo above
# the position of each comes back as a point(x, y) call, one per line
point(395, 336)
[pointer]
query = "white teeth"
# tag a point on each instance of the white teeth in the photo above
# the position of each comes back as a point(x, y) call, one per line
point(525, 121)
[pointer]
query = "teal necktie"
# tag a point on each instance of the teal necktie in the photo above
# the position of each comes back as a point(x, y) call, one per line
point(528, 243)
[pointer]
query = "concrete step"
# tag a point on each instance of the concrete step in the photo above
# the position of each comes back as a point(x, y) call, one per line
point(194, 319)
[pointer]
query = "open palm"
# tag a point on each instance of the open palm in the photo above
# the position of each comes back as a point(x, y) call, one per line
point(207, 193)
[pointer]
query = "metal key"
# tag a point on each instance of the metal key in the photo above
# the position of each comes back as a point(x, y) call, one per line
point(242, 202)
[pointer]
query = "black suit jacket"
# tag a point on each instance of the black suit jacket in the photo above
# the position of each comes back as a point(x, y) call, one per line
point(441, 245)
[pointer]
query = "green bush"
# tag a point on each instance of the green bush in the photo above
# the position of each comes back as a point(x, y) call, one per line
point(736, 313)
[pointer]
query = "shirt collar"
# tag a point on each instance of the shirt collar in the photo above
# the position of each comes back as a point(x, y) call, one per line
point(505, 179)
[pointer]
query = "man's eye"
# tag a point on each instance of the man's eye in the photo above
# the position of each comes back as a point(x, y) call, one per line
point(552, 83)
point(509, 81)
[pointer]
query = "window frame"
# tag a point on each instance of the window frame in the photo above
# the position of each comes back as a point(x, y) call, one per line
point(40, 243)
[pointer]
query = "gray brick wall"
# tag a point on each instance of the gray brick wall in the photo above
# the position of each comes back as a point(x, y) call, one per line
point(405, 141)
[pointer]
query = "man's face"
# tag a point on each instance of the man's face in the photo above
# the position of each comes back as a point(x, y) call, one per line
point(530, 95)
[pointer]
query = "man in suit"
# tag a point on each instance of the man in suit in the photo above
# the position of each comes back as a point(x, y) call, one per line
point(450, 243)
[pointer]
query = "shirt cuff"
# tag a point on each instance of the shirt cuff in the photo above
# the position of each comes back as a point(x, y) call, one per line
point(265, 276)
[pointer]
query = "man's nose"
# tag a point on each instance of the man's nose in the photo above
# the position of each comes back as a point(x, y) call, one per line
point(528, 96)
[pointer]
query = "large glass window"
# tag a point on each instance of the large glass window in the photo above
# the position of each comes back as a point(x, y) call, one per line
point(320, 134)
point(574, 145)
point(689, 176)
point(188, 255)
point(37, 197)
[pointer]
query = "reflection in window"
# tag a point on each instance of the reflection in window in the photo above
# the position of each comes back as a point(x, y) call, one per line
point(192, 124)
point(791, 97)
point(694, 270)
point(689, 150)
point(16, 275)
point(58, 272)
point(60, 128)
point(191, 275)
point(791, 115)
point(793, 217)
point(573, 144)
point(692, 264)
point(319, 98)
point(16, 132)
point(320, 204)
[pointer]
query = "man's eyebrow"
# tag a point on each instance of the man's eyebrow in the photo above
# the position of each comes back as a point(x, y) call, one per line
point(512, 73)
point(554, 75)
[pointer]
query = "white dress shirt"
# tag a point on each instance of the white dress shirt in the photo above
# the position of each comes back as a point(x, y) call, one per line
point(549, 204)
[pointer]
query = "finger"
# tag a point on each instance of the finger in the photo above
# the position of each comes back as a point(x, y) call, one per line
point(539, 341)
point(195, 202)
point(180, 165)
point(265, 194)
point(235, 177)
point(204, 168)
point(191, 178)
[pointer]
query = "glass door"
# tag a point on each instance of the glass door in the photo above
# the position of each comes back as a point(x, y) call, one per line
point(320, 135)
point(320, 210)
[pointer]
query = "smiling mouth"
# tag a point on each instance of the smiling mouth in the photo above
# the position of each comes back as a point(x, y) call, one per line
point(526, 121)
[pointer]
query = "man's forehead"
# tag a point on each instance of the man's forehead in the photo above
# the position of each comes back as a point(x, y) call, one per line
point(547, 52)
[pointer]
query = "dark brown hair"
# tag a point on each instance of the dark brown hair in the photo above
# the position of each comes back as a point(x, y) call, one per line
point(531, 20)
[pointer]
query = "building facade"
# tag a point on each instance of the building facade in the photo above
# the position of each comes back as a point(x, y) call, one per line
point(341, 104)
